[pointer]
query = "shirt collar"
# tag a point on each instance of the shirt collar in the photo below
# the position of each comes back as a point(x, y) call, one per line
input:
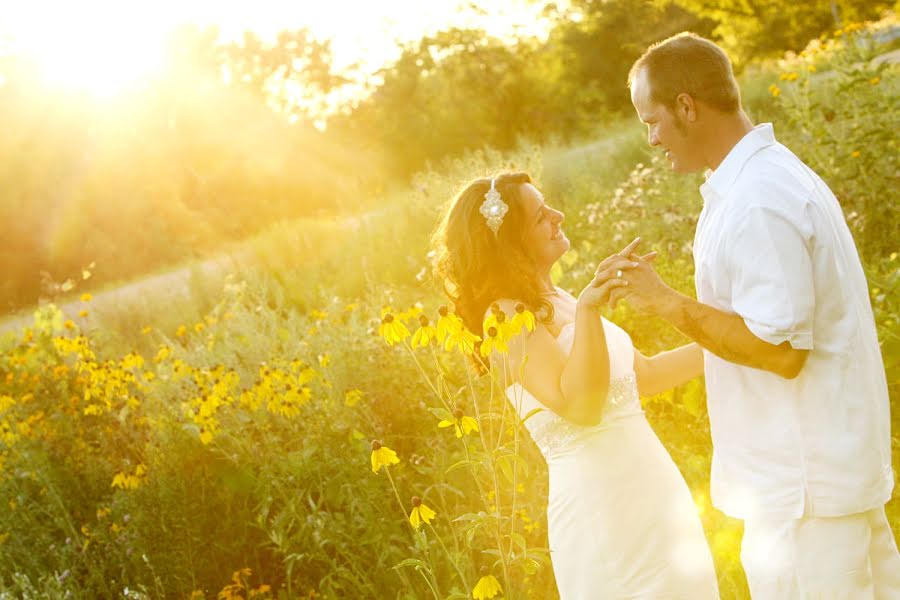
point(718, 182)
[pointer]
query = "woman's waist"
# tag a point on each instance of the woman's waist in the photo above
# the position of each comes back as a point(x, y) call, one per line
point(560, 439)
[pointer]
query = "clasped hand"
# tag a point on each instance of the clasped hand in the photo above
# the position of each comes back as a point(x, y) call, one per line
point(625, 275)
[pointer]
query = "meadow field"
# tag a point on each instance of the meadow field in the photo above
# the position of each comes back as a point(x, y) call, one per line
point(271, 434)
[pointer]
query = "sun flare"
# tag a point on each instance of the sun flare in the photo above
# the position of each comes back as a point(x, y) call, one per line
point(88, 48)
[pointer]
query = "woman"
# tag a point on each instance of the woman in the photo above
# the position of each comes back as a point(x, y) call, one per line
point(621, 520)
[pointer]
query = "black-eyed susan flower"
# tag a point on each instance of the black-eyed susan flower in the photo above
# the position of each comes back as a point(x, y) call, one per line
point(392, 330)
point(522, 318)
point(420, 513)
point(492, 319)
point(447, 323)
point(352, 397)
point(86, 297)
point(464, 425)
point(382, 456)
point(163, 354)
point(181, 331)
point(463, 339)
point(487, 587)
point(493, 342)
point(424, 334)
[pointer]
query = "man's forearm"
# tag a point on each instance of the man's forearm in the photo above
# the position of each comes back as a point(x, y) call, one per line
point(727, 336)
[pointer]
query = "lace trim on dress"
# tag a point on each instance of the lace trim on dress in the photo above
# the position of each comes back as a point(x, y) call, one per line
point(552, 433)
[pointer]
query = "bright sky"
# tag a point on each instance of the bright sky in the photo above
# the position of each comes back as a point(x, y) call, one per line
point(104, 45)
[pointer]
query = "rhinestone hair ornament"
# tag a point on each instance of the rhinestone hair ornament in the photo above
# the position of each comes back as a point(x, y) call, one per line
point(493, 208)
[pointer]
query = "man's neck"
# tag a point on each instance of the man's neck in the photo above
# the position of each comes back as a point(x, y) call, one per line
point(726, 130)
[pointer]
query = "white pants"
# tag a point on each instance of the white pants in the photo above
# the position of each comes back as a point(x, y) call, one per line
point(853, 557)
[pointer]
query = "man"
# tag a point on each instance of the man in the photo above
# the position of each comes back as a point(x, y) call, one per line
point(797, 397)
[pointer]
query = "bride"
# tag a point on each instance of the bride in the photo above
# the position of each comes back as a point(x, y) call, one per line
point(621, 520)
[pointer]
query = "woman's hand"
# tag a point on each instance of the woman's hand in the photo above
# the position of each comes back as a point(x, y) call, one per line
point(608, 277)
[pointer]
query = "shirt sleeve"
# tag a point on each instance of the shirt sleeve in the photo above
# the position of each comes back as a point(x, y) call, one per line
point(772, 286)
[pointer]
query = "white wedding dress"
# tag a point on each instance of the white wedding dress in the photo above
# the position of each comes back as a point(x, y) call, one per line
point(621, 521)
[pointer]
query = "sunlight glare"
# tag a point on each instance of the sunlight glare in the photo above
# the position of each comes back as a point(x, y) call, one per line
point(94, 47)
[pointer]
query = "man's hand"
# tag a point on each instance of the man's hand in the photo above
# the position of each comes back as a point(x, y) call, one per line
point(645, 289)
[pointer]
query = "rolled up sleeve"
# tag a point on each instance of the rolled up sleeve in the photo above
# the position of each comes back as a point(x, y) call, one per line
point(772, 286)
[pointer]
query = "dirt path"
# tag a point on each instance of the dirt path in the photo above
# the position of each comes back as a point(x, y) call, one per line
point(174, 284)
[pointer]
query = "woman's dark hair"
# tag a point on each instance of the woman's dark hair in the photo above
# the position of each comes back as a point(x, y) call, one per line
point(476, 267)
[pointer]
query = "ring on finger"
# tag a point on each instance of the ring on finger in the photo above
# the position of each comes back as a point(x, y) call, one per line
point(619, 273)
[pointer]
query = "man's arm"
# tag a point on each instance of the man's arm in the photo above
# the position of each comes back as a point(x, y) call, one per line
point(724, 334)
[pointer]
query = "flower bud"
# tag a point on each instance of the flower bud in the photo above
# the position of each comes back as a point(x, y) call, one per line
point(458, 414)
point(501, 317)
point(443, 310)
point(423, 320)
point(387, 318)
point(520, 308)
point(484, 570)
point(416, 501)
point(376, 445)
point(492, 331)
point(495, 308)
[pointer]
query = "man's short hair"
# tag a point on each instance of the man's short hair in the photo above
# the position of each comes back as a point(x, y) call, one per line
point(688, 63)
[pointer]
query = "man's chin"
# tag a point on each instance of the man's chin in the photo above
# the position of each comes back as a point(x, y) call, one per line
point(685, 169)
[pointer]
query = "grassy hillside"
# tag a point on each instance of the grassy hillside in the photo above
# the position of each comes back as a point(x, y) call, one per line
point(223, 445)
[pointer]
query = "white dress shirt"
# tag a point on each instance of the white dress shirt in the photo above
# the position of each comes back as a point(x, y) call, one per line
point(772, 246)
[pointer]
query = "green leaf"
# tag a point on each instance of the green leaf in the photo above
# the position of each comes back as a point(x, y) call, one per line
point(459, 465)
point(410, 562)
point(441, 413)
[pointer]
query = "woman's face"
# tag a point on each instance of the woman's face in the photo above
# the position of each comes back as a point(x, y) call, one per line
point(542, 235)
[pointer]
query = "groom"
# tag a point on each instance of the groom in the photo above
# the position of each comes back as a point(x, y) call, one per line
point(797, 397)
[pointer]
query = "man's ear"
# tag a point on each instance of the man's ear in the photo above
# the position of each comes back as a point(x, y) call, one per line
point(686, 107)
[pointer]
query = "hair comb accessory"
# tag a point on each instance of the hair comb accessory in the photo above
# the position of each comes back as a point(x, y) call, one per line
point(493, 208)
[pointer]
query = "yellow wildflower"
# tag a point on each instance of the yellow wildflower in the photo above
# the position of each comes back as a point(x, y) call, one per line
point(875, 80)
point(420, 513)
point(82, 313)
point(855, 154)
point(487, 587)
point(318, 315)
point(382, 456)
point(162, 355)
point(424, 334)
point(811, 68)
point(493, 342)
point(392, 330)
point(774, 90)
point(86, 297)
point(352, 397)
point(69, 324)
point(447, 323)
point(463, 339)
point(180, 331)
point(462, 423)
point(198, 327)
point(412, 312)
point(522, 318)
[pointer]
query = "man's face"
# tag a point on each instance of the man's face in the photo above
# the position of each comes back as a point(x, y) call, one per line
point(667, 128)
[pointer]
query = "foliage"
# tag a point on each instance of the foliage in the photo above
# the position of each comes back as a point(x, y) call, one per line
point(153, 456)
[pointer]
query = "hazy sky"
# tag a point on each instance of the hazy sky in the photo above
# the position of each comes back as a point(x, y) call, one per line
point(362, 30)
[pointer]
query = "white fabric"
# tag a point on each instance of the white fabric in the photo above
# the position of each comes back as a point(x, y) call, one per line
point(621, 520)
point(852, 557)
point(772, 246)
